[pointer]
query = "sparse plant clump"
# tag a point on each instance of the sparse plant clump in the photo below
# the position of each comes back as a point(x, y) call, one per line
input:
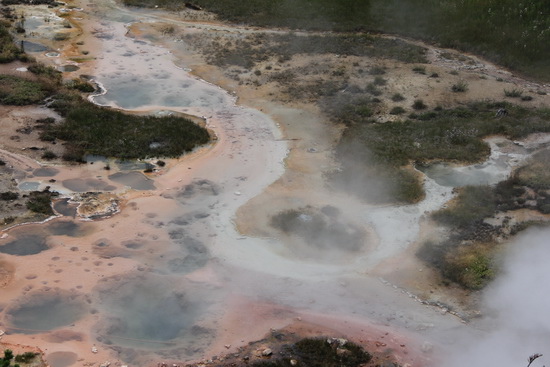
point(513, 93)
point(81, 85)
point(19, 91)
point(474, 203)
point(40, 202)
point(25, 357)
point(372, 89)
point(460, 87)
point(49, 155)
point(397, 110)
point(397, 97)
point(419, 105)
point(9, 195)
point(380, 81)
point(377, 70)
point(419, 70)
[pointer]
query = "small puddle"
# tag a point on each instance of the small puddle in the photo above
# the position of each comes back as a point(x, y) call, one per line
point(33, 47)
point(61, 359)
point(29, 186)
point(68, 68)
point(135, 180)
point(85, 185)
point(45, 172)
point(64, 207)
point(67, 228)
point(45, 310)
point(24, 245)
point(451, 176)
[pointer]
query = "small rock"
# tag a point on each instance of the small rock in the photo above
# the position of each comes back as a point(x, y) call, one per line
point(267, 352)
point(227, 346)
point(293, 362)
point(94, 349)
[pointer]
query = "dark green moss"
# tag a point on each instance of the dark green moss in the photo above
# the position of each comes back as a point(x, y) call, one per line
point(89, 129)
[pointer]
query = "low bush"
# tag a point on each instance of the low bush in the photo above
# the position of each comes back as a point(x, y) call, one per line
point(89, 129)
point(9, 195)
point(397, 97)
point(397, 110)
point(513, 93)
point(19, 91)
point(40, 202)
point(473, 204)
point(48, 155)
point(419, 105)
point(460, 87)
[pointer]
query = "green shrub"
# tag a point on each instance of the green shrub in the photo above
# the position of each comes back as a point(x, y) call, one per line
point(473, 204)
point(419, 70)
point(89, 129)
point(460, 87)
point(514, 93)
point(469, 266)
point(419, 105)
point(48, 155)
point(377, 70)
point(40, 202)
point(19, 91)
point(81, 85)
point(380, 81)
point(397, 97)
point(397, 110)
point(8, 195)
point(47, 71)
point(25, 357)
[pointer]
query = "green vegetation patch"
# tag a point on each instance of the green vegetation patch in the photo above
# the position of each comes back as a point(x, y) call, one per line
point(473, 204)
point(536, 173)
point(89, 129)
point(40, 202)
point(320, 353)
point(20, 91)
point(255, 48)
point(8, 50)
point(512, 33)
point(466, 257)
point(367, 149)
point(8, 358)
